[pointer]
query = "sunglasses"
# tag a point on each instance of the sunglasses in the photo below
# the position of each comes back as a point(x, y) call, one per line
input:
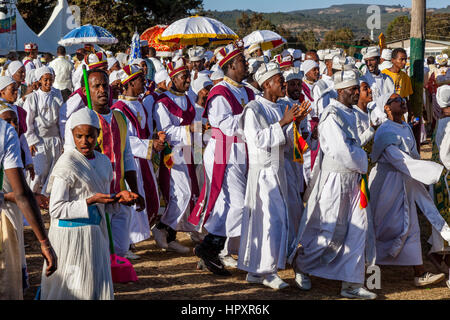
point(398, 99)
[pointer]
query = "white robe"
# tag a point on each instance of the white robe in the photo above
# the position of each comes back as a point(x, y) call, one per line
point(226, 216)
point(265, 222)
point(442, 141)
point(334, 229)
point(180, 138)
point(141, 148)
point(294, 172)
point(84, 270)
point(43, 132)
point(380, 84)
point(365, 130)
point(396, 186)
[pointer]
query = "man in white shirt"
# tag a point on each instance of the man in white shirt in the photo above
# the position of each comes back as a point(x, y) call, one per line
point(63, 73)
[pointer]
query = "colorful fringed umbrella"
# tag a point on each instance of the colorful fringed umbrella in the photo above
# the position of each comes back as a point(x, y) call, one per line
point(162, 50)
point(267, 39)
point(197, 30)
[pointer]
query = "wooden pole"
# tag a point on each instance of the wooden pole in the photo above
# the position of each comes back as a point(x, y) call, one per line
point(417, 52)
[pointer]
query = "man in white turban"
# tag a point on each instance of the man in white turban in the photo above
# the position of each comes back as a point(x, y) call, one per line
point(337, 250)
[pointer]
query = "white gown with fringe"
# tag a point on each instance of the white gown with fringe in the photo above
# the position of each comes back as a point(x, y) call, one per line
point(84, 270)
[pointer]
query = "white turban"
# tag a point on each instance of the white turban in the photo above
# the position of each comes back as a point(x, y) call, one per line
point(111, 62)
point(386, 54)
point(201, 82)
point(114, 76)
point(443, 96)
point(370, 52)
point(196, 53)
point(293, 73)
point(41, 71)
point(266, 71)
point(84, 116)
point(345, 79)
point(6, 81)
point(161, 76)
point(254, 64)
point(13, 67)
point(308, 65)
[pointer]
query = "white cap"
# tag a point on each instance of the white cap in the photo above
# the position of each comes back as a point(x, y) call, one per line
point(296, 54)
point(13, 67)
point(339, 62)
point(386, 54)
point(114, 76)
point(331, 53)
point(443, 96)
point(370, 52)
point(217, 75)
point(196, 53)
point(293, 73)
point(84, 116)
point(41, 71)
point(266, 71)
point(345, 79)
point(254, 64)
point(253, 48)
point(321, 54)
point(307, 65)
point(161, 76)
point(6, 81)
point(201, 82)
point(111, 62)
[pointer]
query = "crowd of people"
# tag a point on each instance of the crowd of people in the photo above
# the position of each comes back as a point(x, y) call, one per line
point(304, 159)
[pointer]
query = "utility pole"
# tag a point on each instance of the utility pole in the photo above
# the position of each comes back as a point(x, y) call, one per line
point(417, 52)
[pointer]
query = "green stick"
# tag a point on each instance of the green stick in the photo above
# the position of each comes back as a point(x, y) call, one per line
point(86, 85)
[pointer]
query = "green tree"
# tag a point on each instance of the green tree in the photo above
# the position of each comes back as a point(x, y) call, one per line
point(36, 12)
point(337, 38)
point(121, 18)
point(307, 40)
point(398, 29)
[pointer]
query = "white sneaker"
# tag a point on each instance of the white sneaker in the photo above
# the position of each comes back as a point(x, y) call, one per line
point(228, 261)
point(358, 293)
point(428, 278)
point(448, 283)
point(160, 236)
point(251, 278)
point(303, 281)
point(131, 255)
point(177, 247)
point(274, 282)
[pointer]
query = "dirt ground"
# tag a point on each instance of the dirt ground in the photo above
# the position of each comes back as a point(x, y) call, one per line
point(166, 275)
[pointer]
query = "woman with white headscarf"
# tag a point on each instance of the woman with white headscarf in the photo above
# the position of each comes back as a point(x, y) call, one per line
point(396, 189)
point(79, 186)
point(440, 251)
point(43, 136)
point(16, 70)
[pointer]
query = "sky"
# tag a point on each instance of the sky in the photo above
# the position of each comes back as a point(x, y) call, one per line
point(292, 5)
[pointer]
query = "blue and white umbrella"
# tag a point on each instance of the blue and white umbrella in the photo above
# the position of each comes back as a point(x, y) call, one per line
point(88, 34)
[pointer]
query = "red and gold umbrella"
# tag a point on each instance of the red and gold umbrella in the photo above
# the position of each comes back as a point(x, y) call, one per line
point(151, 35)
